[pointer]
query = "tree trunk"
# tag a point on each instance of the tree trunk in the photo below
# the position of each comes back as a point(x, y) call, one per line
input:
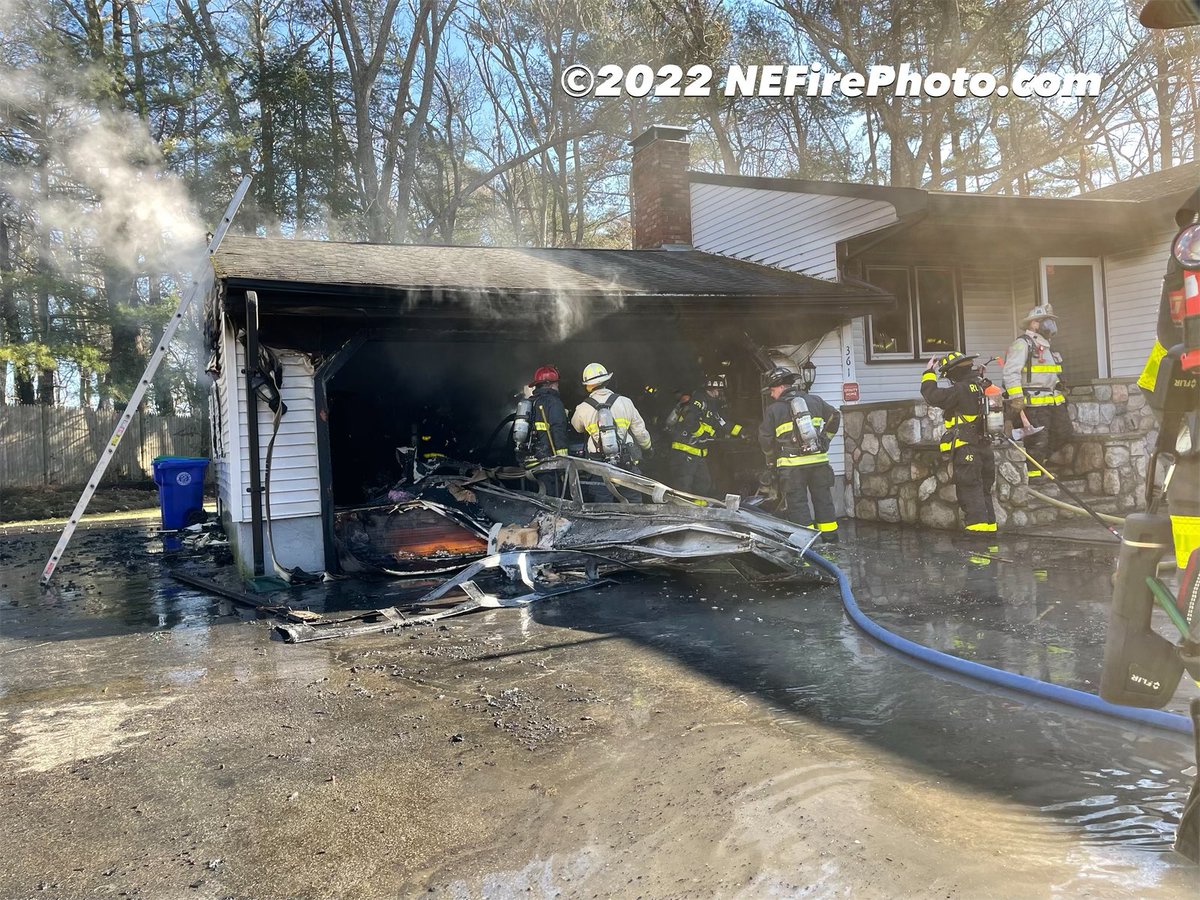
point(10, 323)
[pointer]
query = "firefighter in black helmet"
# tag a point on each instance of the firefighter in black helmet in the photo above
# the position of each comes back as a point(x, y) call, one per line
point(693, 424)
point(964, 410)
point(795, 434)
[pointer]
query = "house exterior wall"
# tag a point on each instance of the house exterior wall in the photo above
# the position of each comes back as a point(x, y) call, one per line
point(793, 231)
point(226, 432)
point(988, 328)
point(782, 228)
point(828, 386)
point(295, 475)
point(888, 458)
point(899, 475)
point(1132, 283)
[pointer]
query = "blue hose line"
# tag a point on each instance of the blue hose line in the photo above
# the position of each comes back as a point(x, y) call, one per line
point(1023, 683)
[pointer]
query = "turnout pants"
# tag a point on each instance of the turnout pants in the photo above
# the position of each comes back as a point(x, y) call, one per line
point(690, 473)
point(1056, 431)
point(974, 478)
point(798, 483)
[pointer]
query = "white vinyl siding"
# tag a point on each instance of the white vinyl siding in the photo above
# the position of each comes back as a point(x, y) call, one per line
point(782, 228)
point(226, 429)
point(987, 307)
point(1132, 288)
point(1025, 291)
point(295, 472)
point(828, 386)
point(987, 318)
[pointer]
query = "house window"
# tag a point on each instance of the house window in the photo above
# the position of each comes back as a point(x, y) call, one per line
point(926, 320)
point(891, 332)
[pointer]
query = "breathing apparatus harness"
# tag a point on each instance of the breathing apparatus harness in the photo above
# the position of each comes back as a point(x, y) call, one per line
point(988, 418)
point(612, 448)
point(805, 437)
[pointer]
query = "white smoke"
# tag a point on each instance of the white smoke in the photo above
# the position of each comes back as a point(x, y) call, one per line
point(84, 179)
point(96, 176)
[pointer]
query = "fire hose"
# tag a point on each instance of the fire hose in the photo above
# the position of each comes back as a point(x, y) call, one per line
point(1056, 693)
point(1078, 510)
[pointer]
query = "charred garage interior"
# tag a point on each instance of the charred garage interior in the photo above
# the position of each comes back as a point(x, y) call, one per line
point(378, 347)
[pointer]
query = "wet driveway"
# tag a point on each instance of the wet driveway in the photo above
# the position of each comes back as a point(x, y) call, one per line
point(700, 680)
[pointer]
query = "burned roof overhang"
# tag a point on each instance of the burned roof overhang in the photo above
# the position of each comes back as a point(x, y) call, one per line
point(283, 298)
point(481, 285)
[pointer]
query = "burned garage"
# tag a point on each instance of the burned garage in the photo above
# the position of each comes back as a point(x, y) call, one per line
point(388, 357)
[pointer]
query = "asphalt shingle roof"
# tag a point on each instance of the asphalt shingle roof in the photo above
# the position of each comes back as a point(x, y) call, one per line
point(1165, 183)
point(525, 271)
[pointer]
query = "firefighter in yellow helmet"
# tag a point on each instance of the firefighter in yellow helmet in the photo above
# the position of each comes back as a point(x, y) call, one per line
point(616, 430)
point(966, 441)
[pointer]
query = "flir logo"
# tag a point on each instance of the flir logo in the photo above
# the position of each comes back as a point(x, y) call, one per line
point(1144, 682)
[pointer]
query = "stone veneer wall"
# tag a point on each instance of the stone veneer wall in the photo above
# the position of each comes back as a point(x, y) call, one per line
point(895, 472)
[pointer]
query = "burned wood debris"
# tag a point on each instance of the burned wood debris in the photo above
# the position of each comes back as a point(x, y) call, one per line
point(511, 547)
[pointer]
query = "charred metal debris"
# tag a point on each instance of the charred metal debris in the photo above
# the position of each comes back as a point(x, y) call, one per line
point(497, 539)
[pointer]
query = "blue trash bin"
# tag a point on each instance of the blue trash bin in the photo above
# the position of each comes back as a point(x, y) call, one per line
point(180, 481)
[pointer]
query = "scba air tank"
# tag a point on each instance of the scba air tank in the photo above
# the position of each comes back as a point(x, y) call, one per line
point(804, 431)
point(521, 423)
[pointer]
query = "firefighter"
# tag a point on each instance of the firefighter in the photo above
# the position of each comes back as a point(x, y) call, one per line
point(434, 436)
point(547, 427)
point(964, 411)
point(696, 421)
point(616, 431)
point(795, 434)
point(1033, 384)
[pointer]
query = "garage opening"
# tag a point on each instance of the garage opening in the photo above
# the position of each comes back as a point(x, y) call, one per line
point(453, 393)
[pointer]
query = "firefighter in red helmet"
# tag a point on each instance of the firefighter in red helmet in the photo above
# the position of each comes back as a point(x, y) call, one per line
point(540, 430)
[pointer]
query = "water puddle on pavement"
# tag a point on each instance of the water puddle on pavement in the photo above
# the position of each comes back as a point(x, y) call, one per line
point(1035, 607)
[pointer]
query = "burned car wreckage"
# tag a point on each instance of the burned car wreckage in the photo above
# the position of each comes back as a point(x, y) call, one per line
point(509, 547)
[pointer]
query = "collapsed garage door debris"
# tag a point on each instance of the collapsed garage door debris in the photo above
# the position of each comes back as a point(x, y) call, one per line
point(511, 548)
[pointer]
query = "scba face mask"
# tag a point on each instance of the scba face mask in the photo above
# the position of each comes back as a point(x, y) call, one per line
point(1049, 327)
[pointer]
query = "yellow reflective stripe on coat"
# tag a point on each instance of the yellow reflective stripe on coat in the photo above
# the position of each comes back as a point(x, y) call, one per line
point(1186, 530)
point(562, 452)
point(688, 448)
point(541, 426)
point(810, 460)
point(1053, 368)
point(963, 419)
point(787, 427)
point(946, 445)
point(1015, 391)
point(1149, 376)
point(704, 429)
point(827, 526)
point(982, 526)
point(736, 430)
point(929, 376)
point(1045, 400)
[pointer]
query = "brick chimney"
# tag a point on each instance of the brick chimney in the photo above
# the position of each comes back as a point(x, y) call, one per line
point(658, 185)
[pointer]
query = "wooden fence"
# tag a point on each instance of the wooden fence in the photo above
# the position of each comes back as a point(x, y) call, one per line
point(46, 446)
